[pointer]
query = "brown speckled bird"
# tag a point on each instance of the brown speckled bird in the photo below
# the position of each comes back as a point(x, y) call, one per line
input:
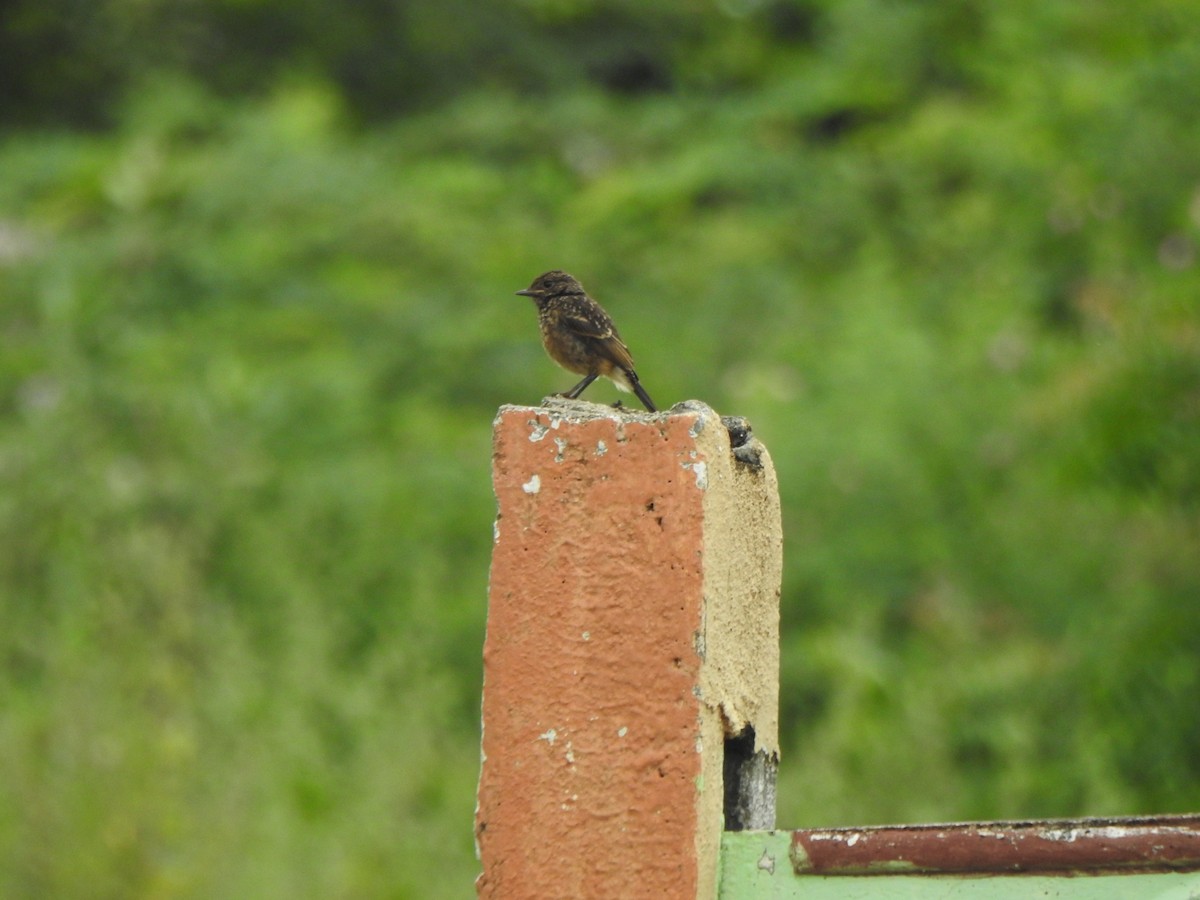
point(580, 336)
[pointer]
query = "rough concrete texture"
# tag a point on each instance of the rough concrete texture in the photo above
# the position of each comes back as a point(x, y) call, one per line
point(632, 622)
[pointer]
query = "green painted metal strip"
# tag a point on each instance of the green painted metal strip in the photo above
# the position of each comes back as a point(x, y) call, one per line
point(755, 865)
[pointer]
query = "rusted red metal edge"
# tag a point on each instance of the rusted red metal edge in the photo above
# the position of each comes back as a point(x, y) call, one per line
point(1064, 846)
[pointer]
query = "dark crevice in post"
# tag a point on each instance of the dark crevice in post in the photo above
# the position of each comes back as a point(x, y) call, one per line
point(749, 784)
point(745, 446)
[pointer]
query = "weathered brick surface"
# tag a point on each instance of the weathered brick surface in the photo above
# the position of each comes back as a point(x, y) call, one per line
point(602, 732)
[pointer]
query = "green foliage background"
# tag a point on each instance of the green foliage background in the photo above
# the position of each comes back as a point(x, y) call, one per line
point(257, 262)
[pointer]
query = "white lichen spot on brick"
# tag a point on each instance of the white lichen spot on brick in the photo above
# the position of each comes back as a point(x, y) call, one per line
point(622, 731)
point(533, 485)
point(549, 736)
point(601, 448)
point(700, 470)
point(561, 444)
point(496, 531)
point(569, 756)
point(587, 635)
point(697, 427)
point(537, 431)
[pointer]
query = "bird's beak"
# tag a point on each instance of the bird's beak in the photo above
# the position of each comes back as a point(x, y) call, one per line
point(526, 293)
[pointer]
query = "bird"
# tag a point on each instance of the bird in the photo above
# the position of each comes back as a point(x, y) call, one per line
point(580, 336)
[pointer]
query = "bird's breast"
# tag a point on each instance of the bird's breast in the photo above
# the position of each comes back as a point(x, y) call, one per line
point(565, 347)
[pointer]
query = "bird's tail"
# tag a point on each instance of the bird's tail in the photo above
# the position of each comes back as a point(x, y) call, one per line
point(641, 393)
point(627, 380)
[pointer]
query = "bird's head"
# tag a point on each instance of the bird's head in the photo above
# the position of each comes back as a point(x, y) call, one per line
point(550, 284)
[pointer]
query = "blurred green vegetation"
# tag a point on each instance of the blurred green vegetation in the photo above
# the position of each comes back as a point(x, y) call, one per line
point(257, 262)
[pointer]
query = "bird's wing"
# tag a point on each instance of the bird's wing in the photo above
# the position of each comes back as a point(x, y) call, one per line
point(618, 353)
point(605, 335)
point(591, 327)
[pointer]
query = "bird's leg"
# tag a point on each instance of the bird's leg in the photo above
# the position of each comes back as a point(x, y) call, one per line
point(579, 388)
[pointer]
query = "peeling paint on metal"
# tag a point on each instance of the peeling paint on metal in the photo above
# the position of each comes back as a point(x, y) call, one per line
point(766, 863)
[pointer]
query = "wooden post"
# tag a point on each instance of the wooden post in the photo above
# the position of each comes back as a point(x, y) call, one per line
point(632, 637)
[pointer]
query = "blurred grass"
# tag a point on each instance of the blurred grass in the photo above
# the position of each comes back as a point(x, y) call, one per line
point(944, 260)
